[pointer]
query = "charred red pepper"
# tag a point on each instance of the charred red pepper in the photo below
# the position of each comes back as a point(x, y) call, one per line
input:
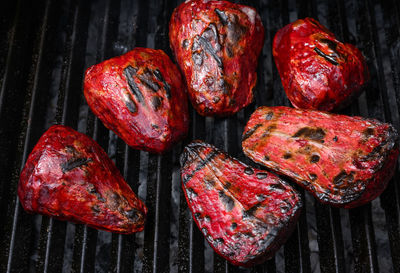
point(343, 161)
point(216, 44)
point(141, 97)
point(317, 70)
point(68, 176)
point(245, 214)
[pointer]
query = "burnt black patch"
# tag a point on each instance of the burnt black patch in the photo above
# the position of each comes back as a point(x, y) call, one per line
point(266, 158)
point(261, 175)
point(204, 42)
point(191, 194)
point(311, 133)
point(133, 214)
point(314, 158)
point(260, 197)
point(74, 163)
point(227, 185)
point(343, 178)
point(226, 200)
point(146, 79)
point(95, 209)
point(287, 155)
point(210, 183)
point(335, 138)
point(222, 16)
point(131, 106)
point(249, 171)
point(277, 186)
point(197, 215)
point(250, 131)
point(130, 73)
point(167, 87)
point(156, 102)
point(199, 166)
point(329, 58)
point(185, 44)
point(269, 116)
point(368, 132)
point(233, 226)
point(313, 176)
point(331, 44)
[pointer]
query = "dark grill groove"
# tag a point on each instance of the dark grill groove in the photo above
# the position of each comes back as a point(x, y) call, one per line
point(45, 47)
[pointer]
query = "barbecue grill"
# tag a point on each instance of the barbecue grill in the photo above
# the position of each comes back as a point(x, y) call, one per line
point(45, 47)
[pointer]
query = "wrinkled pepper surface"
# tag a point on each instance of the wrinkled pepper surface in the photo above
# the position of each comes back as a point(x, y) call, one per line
point(343, 161)
point(68, 176)
point(217, 44)
point(245, 214)
point(318, 71)
point(141, 97)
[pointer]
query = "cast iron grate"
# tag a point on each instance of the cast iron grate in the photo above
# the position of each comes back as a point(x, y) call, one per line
point(45, 47)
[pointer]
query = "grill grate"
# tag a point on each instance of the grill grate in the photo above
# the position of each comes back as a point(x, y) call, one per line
point(45, 47)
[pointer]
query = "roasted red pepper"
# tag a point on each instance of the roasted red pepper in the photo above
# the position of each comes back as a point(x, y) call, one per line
point(245, 214)
point(216, 44)
point(69, 177)
point(343, 161)
point(141, 97)
point(317, 70)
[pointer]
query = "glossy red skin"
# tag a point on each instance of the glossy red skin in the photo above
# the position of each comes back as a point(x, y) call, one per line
point(343, 161)
point(246, 214)
point(310, 80)
point(225, 88)
point(153, 123)
point(68, 176)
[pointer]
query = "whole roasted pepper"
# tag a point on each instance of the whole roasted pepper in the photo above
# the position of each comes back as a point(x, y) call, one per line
point(216, 44)
point(141, 97)
point(343, 161)
point(245, 214)
point(68, 176)
point(318, 71)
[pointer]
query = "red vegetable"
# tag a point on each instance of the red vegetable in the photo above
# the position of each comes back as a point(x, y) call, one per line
point(317, 70)
point(140, 96)
point(343, 161)
point(216, 44)
point(245, 214)
point(69, 177)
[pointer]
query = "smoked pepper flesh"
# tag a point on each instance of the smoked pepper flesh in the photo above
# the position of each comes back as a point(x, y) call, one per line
point(343, 161)
point(68, 176)
point(141, 97)
point(217, 44)
point(317, 70)
point(245, 214)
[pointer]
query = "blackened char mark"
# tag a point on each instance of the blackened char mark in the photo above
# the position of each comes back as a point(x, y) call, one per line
point(74, 163)
point(226, 200)
point(199, 166)
point(329, 58)
point(160, 77)
point(147, 79)
point(210, 50)
point(222, 16)
point(250, 132)
point(331, 44)
point(130, 72)
point(310, 133)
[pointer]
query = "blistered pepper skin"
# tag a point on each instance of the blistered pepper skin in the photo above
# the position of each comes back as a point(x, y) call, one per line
point(245, 214)
point(318, 71)
point(68, 176)
point(343, 161)
point(141, 97)
point(217, 44)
